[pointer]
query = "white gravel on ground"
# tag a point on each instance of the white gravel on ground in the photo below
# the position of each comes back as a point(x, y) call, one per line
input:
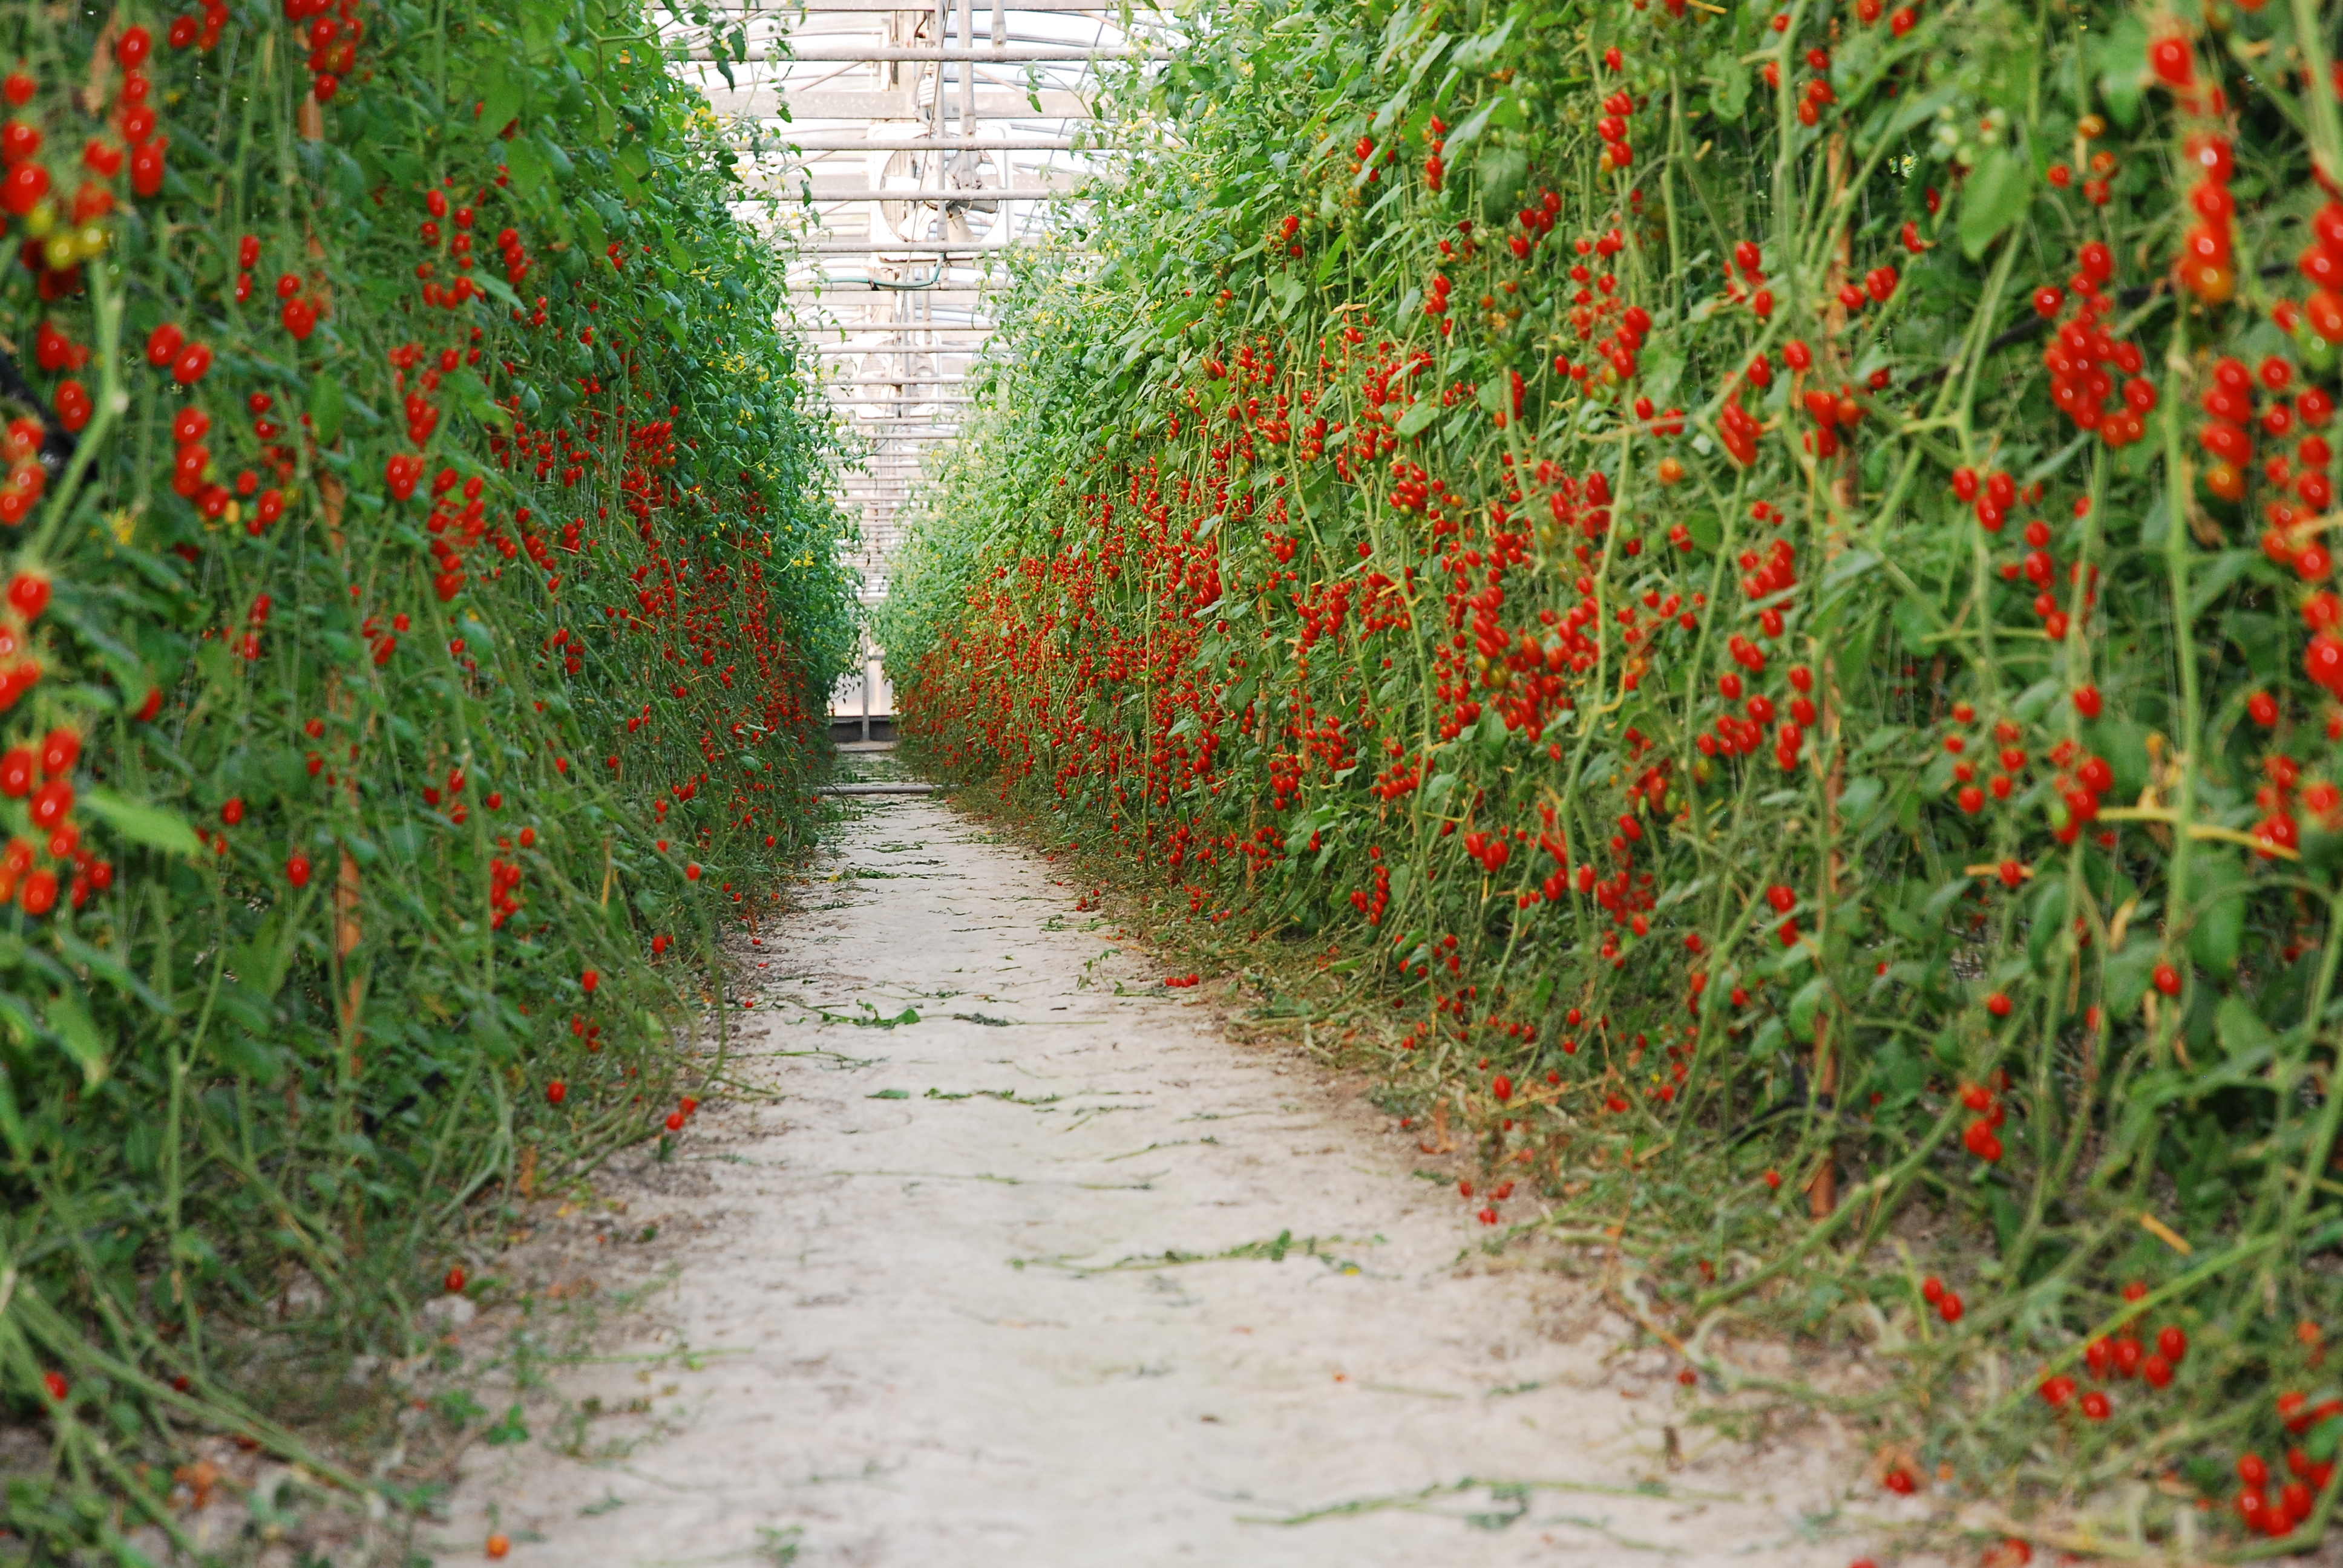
point(931, 1322)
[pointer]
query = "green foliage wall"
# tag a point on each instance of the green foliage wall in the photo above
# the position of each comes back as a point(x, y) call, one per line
point(423, 596)
point(1764, 572)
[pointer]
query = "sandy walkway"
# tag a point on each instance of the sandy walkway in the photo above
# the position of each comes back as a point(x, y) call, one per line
point(929, 1319)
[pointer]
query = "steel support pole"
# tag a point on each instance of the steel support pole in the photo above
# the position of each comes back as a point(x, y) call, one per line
point(967, 69)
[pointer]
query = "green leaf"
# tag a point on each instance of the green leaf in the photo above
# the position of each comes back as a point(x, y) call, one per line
point(507, 1430)
point(526, 165)
point(2049, 921)
point(496, 289)
point(1397, 106)
point(1805, 1004)
point(111, 969)
point(1858, 800)
point(1492, 730)
point(1465, 134)
point(2220, 931)
point(2036, 700)
point(1728, 81)
point(1501, 171)
point(2240, 1029)
point(1420, 413)
point(501, 103)
point(473, 394)
point(129, 671)
point(1329, 260)
point(1996, 195)
point(261, 962)
point(1307, 825)
point(327, 408)
point(143, 824)
point(1915, 623)
point(74, 1028)
point(12, 1123)
point(2123, 744)
point(590, 230)
point(2216, 576)
point(2129, 974)
point(1941, 901)
point(1482, 47)
point(540, 25)
point(2122, 52)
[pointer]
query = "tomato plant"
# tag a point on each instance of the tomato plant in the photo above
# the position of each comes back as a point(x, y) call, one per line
point(1765, 572)
point(421, 591)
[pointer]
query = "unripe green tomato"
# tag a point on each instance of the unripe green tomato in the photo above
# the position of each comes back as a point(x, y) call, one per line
point(2318, 354)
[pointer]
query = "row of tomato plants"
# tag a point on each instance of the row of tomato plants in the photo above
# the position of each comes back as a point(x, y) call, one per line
point(1766, 573)
point(422, 597)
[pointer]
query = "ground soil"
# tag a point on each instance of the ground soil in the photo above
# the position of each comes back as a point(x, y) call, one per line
point(1068, 1272)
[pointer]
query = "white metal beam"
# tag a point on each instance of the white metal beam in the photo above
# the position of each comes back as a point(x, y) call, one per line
point(1112, 15)
point(828, 198)
point(765, 103)
point(782, 142)
point(942, 298)
point(1005, 55)
point(923, 247)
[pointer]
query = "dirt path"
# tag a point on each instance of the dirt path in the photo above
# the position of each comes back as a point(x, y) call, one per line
point(924, 1314)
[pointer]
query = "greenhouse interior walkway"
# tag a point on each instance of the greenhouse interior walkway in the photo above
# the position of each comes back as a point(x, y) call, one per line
point(1063, 1273)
